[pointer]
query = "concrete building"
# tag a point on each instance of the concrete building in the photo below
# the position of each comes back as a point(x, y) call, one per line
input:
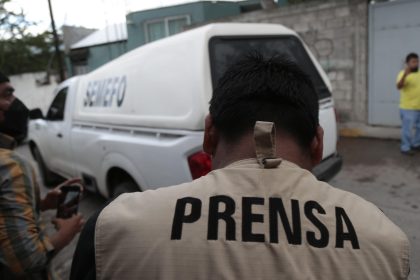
point(72, 35)
point(362, 46)
point(142, 27)
point(150, 25)
point(98, 48)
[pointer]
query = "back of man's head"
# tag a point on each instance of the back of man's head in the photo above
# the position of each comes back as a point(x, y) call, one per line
point(3, 78)
point(258, 89)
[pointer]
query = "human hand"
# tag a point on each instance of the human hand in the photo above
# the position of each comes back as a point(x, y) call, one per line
point(66, 230)
point(407, 70)
point(51, 199)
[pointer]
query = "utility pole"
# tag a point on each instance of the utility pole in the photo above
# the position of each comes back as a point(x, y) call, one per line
point(56, 45)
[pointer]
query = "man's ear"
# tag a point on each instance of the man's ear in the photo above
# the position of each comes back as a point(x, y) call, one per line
point(317, 146)
point(211, 136)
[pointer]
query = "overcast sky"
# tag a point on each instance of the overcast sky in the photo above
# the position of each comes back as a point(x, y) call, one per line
point(87, 13)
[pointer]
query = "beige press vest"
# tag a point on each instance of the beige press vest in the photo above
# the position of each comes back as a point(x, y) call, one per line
point(258, 218)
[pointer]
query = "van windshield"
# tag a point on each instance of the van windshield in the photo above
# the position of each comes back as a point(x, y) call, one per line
point(225, 50)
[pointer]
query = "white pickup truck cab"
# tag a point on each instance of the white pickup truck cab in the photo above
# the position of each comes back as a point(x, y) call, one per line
point(137, 122)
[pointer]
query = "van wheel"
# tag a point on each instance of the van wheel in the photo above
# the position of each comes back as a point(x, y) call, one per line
point(49, 178)
point(124, 187)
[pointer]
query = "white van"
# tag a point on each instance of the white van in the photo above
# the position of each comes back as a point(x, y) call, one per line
point(137, 122)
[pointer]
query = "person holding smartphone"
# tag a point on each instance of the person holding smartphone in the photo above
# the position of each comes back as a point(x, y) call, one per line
point(408, 82)
point(25, 249)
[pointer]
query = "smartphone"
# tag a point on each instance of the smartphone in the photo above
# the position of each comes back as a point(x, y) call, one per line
point(68, 202)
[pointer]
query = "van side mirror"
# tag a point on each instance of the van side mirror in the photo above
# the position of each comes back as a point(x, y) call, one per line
point(35, 114)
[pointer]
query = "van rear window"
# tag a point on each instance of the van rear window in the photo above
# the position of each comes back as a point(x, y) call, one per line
point(225, 50)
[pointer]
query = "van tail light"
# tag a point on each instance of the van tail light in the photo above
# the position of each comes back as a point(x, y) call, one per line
point(200, 164)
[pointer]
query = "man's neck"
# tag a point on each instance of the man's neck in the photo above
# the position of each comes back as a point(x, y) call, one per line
point(227, 153)
point(7, 142)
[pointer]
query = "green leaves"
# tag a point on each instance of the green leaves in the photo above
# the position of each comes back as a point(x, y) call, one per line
point(31, 53)
point(20, 50)
point(13, 24)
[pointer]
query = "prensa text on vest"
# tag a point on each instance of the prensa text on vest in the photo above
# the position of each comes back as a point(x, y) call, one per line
point(276, 212)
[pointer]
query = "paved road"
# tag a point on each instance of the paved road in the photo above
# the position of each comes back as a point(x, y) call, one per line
point(373, 169)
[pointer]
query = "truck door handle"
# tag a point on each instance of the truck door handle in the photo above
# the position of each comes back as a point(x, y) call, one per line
point(59, 135)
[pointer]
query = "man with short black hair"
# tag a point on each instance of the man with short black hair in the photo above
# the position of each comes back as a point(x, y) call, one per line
point(408, 82)
point(260, 214)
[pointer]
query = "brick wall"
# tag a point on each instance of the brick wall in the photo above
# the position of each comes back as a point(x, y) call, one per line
point(336, 32)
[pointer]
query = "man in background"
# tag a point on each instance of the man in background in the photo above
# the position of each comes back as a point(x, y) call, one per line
point(25, 249)
point(408, 82)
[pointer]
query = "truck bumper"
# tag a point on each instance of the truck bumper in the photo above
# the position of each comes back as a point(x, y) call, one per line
point(328, 168)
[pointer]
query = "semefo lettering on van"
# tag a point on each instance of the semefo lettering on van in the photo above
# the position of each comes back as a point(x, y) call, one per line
point(106, 93)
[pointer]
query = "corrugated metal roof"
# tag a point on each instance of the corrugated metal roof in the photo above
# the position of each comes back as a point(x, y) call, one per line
point(112, 33)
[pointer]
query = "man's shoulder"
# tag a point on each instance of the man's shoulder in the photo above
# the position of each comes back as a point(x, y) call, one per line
point(370, 219)
point(413, 77)
point(10, 160)
point(416, 76)
point(160, 193)
point(348, 199)
point(374, 230)
point(152, 200)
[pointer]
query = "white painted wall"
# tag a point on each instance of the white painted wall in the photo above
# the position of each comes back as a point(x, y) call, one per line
point(33, 95)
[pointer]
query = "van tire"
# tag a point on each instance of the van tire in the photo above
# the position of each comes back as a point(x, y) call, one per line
point(49, 178)
point(124, 187)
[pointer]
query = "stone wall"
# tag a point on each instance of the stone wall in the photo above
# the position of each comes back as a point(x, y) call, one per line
point(336, 32)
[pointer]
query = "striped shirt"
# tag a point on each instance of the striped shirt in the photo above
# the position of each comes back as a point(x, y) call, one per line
point(24, 248)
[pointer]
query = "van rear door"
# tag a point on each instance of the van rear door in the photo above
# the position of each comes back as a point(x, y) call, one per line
point(224, 50)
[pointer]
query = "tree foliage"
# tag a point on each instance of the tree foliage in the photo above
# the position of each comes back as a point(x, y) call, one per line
point(12, 24)
point(21, 51)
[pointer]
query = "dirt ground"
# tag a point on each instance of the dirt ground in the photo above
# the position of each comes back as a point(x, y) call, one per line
point(373, 169)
